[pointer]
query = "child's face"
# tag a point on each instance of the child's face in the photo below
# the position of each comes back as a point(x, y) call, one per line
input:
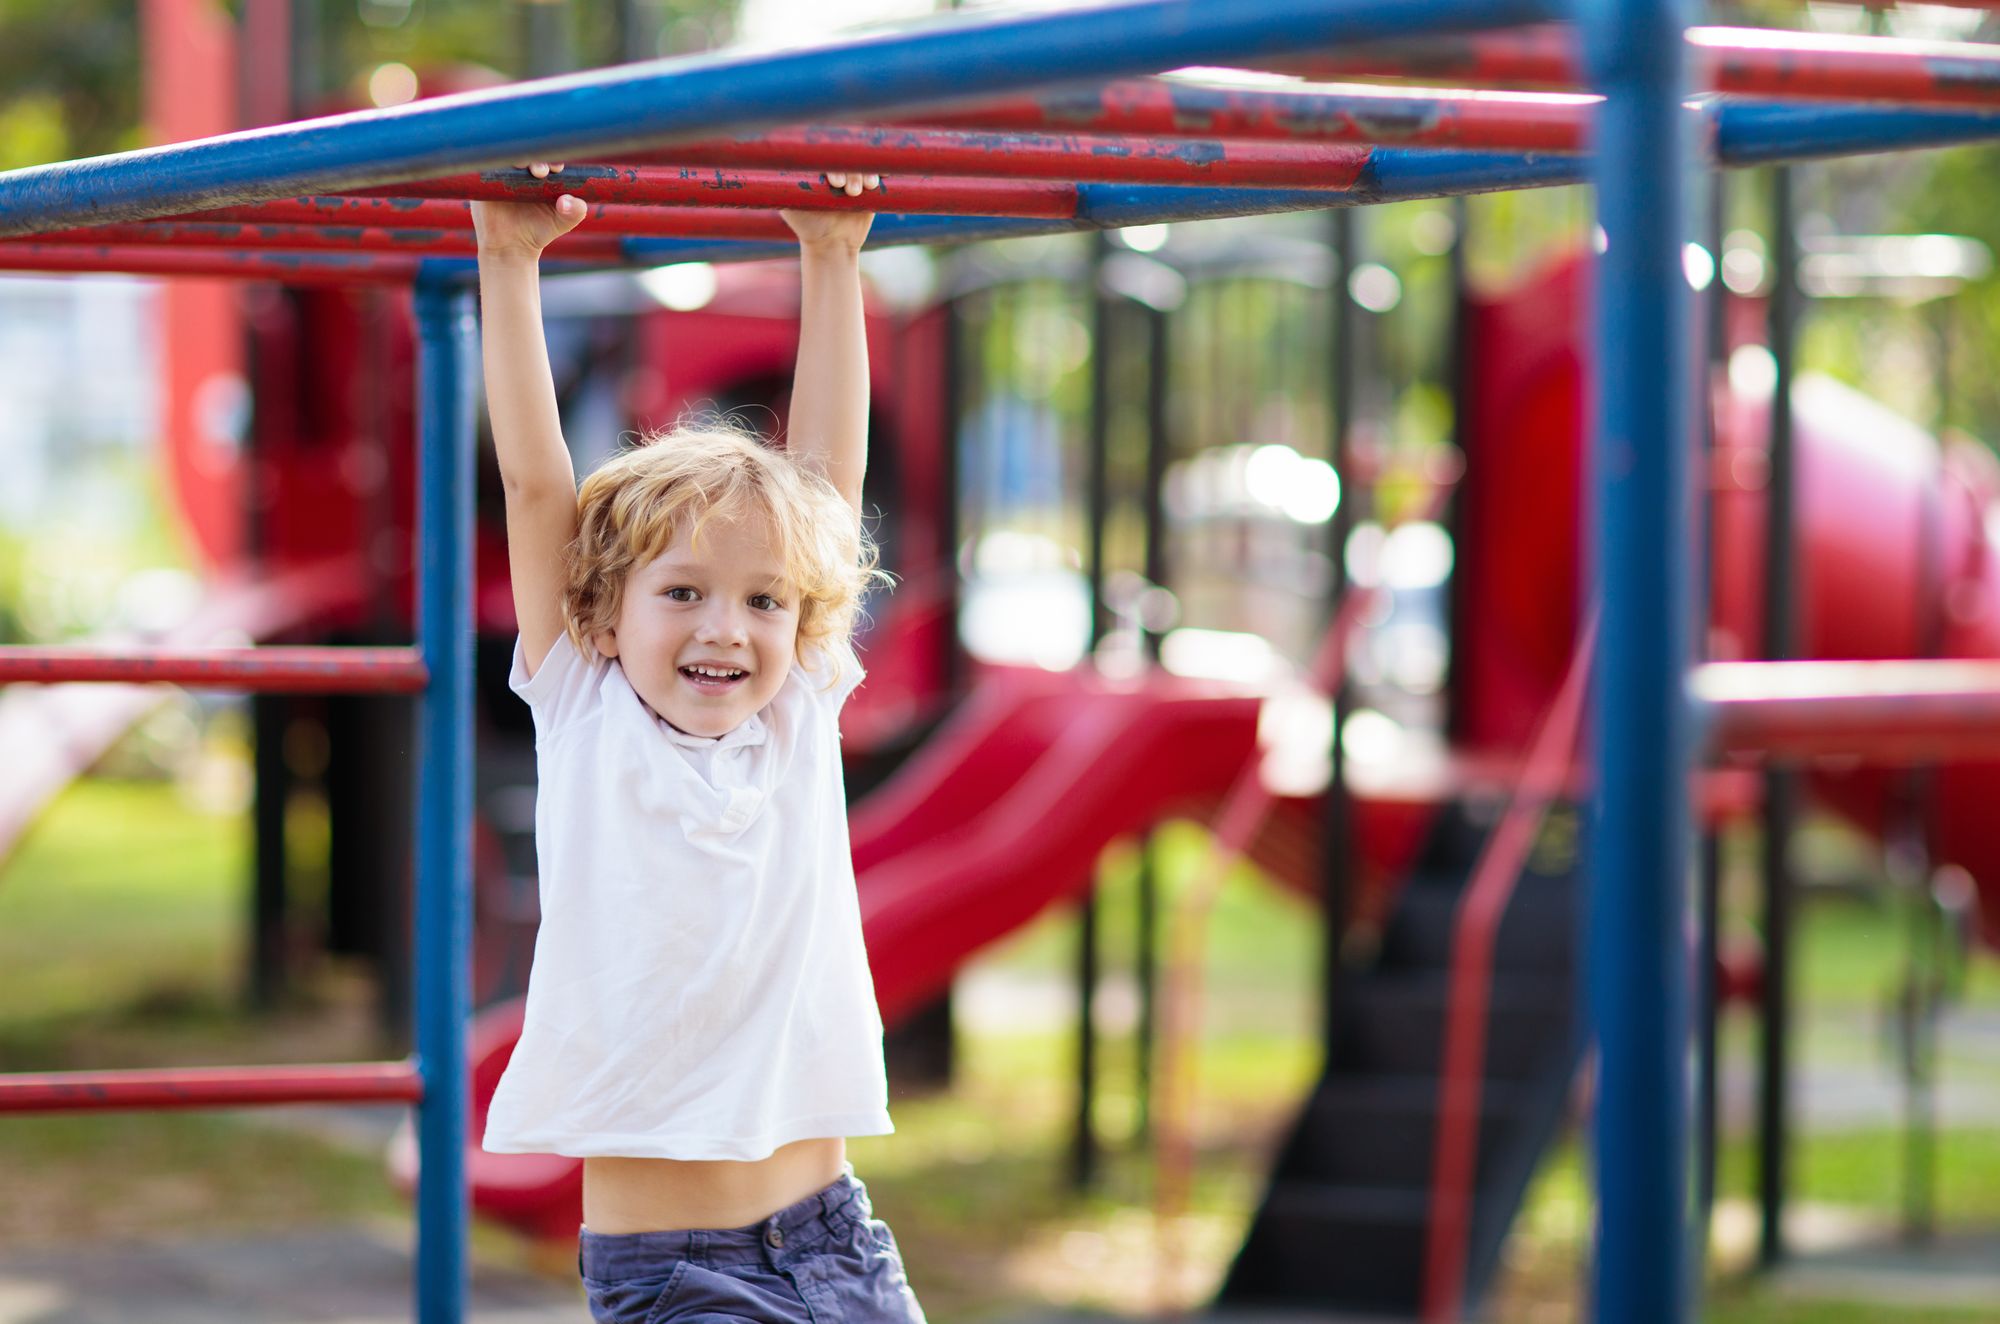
point(724, 607)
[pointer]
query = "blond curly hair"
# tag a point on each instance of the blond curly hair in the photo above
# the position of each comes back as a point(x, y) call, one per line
point(633, 506)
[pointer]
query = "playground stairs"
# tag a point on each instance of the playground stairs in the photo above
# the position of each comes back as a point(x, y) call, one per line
point(1342, 1229)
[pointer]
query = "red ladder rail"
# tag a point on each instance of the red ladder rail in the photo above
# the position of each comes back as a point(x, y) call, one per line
point(211, 1087)
point(278, 670)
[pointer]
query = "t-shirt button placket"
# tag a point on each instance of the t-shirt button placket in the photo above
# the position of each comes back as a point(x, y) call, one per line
point(742, 804)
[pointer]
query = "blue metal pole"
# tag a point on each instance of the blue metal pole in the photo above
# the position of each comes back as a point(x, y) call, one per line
point(664, 101)
point(1640, 537)
point(443, 945)
point(1770, 132)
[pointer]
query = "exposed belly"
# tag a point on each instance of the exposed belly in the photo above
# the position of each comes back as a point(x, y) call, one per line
point(668, 1195)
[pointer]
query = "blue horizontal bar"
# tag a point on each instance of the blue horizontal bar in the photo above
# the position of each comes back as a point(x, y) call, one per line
point(1768, 132)
point(1743, 133)
point(1740, 133)
point(664, 101)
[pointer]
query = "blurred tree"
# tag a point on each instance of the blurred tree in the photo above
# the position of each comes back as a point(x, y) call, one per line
point(70, 73)
point(69, 79)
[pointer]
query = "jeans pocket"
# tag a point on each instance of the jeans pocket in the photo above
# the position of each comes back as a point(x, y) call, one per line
point(884, 1240)
point(888, 1286)
point(642, 1300)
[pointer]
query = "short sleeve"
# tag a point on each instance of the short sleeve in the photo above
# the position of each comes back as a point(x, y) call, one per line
point(831, 673)
point(563, 688)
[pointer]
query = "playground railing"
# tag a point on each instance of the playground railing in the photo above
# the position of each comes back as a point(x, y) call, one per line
point(1546, 774)
point(1245, 807)
point(438, 669)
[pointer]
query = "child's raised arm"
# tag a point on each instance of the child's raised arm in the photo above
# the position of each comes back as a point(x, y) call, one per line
point(521, 401)
point(829, 414)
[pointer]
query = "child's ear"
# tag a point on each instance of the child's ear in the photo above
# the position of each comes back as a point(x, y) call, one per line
point(605, 642)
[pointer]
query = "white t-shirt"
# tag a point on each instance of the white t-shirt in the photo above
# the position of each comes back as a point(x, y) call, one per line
point(700, 989)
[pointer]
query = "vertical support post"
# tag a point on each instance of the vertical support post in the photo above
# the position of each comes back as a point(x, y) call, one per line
point(1910, 870)
point(547, 44)
point(308, 55)
point(1336, 845)
point(444, 794)
point(1159, 351)
point(636, 31)
point(951, 658)
point(1098, 496)
point(1458, 375)
point(1637, 961)
point(269, 963)
point(1781, 793)
point(1708, 906)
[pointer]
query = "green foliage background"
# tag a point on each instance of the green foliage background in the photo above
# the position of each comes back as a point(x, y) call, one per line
point(70, 75)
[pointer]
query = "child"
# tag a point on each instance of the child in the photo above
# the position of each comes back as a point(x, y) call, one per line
point(701, 1025)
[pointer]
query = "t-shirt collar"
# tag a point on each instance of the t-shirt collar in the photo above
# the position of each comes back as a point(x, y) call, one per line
point(745, 734)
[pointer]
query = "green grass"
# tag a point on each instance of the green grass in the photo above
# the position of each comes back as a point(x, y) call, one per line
point(1545, 1260)
point(120, 899)
point(148, 1174)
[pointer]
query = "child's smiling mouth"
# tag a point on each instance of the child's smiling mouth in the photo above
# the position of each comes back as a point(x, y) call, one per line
point(713, 679)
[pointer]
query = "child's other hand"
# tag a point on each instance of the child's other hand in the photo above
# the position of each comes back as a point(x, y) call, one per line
point(526, 228)
point(845, 229)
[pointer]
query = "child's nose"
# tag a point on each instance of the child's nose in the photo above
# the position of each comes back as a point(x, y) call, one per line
point(722, 623)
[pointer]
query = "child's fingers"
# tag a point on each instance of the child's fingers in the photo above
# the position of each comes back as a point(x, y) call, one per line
point(853, 185)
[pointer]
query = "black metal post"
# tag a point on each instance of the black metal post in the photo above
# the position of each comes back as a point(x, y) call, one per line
point(1709, 852)
point(1456, 607)
point(1781, 790)
point(951, 658)
point(1910, 874)
point(547, 45)
point(1084, 1164)
point(635, 31)
point(1159, 348)
point(1336, 847)
point(269, 715)
point(1912, 866)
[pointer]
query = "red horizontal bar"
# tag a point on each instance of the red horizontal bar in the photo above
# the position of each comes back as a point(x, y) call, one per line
point(1815, 65)
point(291, 670)
point(415, 242)
point(211, 1087)
point(442, 214)
point(1883, 712)
point(1539, 57)
point(1351, 113)
point(155, 260)
point(660, 186)
point(1097, 157)
point(1740, 60)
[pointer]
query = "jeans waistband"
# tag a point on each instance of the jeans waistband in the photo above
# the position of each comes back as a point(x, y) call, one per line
point(797, 1229)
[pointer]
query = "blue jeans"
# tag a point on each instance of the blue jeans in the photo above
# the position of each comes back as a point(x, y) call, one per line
point(824, 1260)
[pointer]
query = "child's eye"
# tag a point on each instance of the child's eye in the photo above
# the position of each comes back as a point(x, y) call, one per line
point(677, 592)
point(765, 602)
